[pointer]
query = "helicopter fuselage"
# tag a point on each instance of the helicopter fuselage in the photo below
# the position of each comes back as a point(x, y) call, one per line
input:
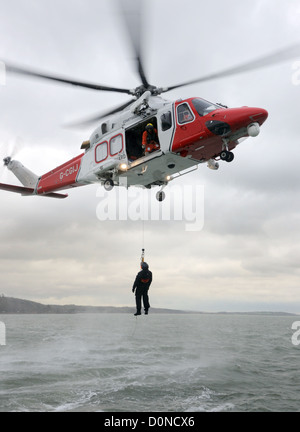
point(190, 132)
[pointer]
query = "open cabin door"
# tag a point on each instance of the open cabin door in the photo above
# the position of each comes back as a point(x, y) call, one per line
point(134, 139)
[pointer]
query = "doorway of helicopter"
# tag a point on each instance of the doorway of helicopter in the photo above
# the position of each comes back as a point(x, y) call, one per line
point(134, 137)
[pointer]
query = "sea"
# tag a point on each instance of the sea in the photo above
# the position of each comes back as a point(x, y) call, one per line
point(185, 363)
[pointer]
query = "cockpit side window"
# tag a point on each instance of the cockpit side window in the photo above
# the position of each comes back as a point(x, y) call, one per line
point(184, 114)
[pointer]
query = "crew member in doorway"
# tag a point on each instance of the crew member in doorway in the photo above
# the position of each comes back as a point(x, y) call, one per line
point(140, 287)
point(150, 139)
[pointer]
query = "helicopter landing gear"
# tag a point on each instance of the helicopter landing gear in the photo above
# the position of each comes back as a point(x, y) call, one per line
point(160, 196)
point(108, 185)
point(227, 156)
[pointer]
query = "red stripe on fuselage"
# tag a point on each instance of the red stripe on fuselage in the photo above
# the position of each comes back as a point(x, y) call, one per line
point(62, 177)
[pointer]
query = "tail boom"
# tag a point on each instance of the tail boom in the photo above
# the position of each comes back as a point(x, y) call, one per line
point(62, 177)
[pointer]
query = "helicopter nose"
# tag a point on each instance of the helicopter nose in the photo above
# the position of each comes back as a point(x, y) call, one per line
point(223, 122)
point(252, 115)
point(246, 115)
point(231, 120)
point(241, 115)
point(258, 115)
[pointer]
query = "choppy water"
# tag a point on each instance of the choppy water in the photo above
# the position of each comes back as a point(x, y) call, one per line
point(154, 363)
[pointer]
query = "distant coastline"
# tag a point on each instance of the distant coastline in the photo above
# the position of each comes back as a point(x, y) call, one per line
point(11, 305)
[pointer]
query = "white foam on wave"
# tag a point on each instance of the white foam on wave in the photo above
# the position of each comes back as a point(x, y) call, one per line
point(82, 403)
point(207, 401)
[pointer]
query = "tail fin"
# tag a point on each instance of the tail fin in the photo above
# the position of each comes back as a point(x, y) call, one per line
point(26, 177)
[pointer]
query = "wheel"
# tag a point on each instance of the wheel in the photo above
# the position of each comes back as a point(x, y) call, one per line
point(108, 185)
point(224, 155)
point(160, 196)
point(230, 157)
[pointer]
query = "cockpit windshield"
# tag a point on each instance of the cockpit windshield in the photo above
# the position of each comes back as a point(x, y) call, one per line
point(204, 107)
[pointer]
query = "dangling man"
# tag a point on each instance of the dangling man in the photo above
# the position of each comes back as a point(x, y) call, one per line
point(140, 287)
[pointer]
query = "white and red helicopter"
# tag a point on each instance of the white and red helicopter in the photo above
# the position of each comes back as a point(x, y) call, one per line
point(190, 132)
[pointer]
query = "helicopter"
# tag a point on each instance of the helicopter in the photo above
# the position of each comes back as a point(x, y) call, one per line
point(189, 132)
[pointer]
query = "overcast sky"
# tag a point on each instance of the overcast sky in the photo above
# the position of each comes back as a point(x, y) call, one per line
point(247, 254)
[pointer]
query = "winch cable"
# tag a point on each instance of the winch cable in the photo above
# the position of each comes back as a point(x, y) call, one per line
point(143, 231)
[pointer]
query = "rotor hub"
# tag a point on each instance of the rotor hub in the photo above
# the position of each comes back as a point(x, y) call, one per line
point(139, 91)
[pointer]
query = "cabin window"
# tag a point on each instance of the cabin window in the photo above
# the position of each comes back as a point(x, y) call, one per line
point(204, 107)
point(184, 114)
point(116, 145)
point(101, 152)
point(166, 121)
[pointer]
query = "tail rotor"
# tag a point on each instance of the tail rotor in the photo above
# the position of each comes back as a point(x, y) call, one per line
point(7, 161)
point(8, 151)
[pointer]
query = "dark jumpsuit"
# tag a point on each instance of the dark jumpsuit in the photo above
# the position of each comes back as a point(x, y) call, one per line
point(141, 286)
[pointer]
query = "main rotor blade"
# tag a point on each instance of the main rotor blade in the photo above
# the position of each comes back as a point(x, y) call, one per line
point(271, 59)
point(28, 72)
point(132, 16)
point(98, 117)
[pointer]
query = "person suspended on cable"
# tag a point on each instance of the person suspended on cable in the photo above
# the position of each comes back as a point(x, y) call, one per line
point(141, 287)
point(150, 139)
